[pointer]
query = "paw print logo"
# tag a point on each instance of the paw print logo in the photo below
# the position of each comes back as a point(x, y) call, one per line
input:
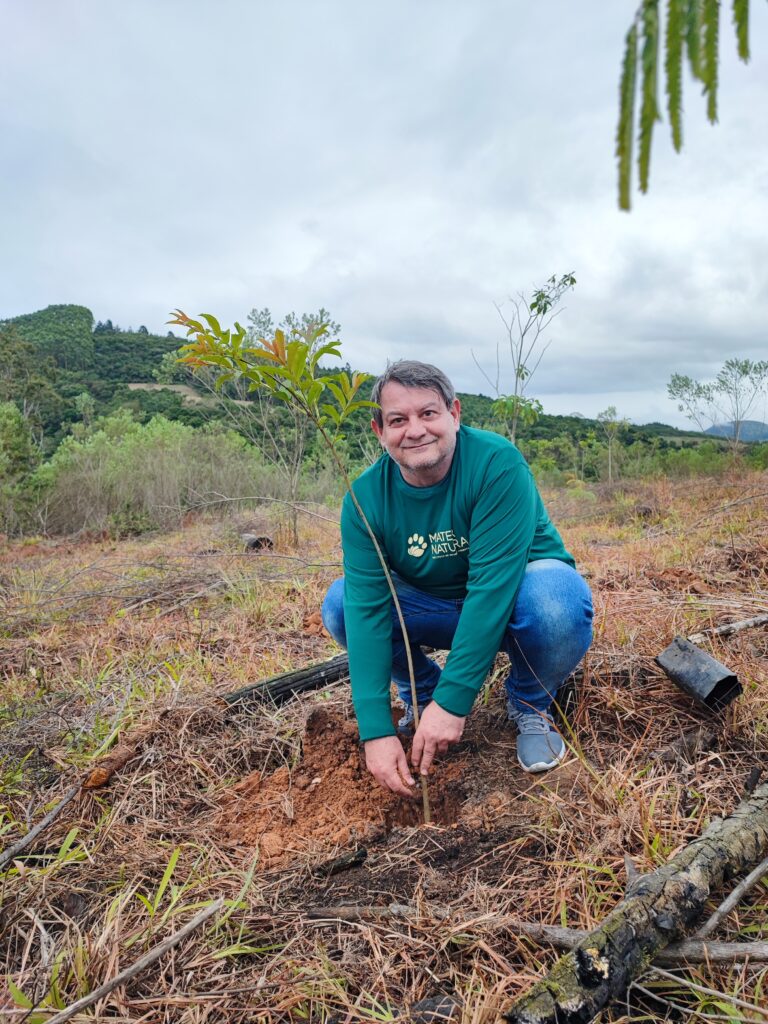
point(416, 545)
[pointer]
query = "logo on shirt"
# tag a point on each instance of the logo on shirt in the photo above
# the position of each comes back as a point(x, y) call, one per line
point(445, 543)
point(416, 545)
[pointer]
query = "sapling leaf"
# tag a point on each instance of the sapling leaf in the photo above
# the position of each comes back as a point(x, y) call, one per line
point(314, 393)
point(336, 391)
point(299, 359)
point(67, 844)
point(147, 903)
point(213, 323)
point(332, 412)
point(362, 403)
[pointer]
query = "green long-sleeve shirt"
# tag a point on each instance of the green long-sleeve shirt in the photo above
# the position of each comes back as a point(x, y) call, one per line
point(469, 536)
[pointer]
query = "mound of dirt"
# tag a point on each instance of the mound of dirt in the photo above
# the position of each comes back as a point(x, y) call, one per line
point(329, 800)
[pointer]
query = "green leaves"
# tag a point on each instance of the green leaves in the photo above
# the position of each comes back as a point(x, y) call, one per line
point(517, 409)
point(285, 364)
point(693, 36)
point(550, 294)
point(693, 29)
point(673, 68)
point(710, 55)
point(649, 109)
point(741, 24)
point(626, 117)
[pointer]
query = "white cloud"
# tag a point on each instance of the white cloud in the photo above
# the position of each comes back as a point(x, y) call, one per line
point(403, 165)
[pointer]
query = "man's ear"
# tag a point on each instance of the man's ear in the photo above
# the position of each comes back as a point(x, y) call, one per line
point(377, 430)
point(456, 410)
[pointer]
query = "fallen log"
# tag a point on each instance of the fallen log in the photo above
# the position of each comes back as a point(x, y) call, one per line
point(278, 689)
point(654, 913)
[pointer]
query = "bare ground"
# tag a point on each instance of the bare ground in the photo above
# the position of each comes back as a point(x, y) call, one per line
point(114, 658)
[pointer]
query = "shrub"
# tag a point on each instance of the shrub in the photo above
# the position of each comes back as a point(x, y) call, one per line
point(125, 477)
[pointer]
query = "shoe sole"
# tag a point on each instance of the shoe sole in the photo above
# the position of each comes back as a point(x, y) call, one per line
point(539, 766)
point(543, 766)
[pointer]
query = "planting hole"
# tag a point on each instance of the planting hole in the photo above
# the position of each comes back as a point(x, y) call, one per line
point(328, 801)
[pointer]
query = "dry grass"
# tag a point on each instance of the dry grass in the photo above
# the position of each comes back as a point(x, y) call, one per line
point(106, 644)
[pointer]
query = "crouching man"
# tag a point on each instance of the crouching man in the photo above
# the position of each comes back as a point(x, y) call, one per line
point(478, 568)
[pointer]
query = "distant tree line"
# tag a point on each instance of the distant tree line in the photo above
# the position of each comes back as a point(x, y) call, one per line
point(79, 449)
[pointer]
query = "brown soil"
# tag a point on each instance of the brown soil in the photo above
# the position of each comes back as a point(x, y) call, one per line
point(329, 800)
point(329, 803)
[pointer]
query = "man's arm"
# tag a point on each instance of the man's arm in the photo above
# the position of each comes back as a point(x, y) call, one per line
point(368, 623)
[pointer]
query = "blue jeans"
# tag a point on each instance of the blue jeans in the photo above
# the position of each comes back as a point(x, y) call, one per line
point(547, 636)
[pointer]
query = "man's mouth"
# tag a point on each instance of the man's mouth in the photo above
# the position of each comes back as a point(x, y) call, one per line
point(416, 447)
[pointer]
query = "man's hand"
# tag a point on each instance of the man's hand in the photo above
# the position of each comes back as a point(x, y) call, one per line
point(386, 761)
point(437, 730)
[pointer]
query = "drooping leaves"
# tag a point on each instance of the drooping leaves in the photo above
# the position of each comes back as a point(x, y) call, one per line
point(709, 54)
point(649, 108)
point(626, 117)
point(693, 29)
point(673, 68)
point(741, 23)
point(693, 21)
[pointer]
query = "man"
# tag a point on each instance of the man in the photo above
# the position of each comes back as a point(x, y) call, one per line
point(478, 568)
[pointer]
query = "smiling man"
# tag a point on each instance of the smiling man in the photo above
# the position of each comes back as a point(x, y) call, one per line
point(478, 568)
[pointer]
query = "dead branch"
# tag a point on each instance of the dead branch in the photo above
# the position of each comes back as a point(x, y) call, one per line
point(51, 816)
point(729, 628)
point(141, 964)
point(733, 899)
point(690, 951)
point(726, 996)
point(124, 752)
point(341, 863)
point(656, 910)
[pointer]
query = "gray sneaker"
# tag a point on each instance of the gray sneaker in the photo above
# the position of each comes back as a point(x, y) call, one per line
point(405, 724)
point(539, 746)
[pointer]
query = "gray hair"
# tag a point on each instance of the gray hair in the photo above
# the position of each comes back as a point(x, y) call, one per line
point(410, 373)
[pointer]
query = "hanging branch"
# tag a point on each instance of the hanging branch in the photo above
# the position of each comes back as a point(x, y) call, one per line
point(692, 30)
point(649, 108)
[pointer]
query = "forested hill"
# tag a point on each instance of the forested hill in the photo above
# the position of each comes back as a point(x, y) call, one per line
point(68, 336)
point(54, 357)
point(60, 363)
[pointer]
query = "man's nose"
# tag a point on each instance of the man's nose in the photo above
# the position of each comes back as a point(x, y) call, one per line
point(415, 428)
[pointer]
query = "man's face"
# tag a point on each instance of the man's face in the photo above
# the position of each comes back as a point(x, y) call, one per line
point(419, 432)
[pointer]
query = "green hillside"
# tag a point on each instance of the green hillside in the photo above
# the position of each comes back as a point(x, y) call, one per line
point(62, 333)
point(65, 372)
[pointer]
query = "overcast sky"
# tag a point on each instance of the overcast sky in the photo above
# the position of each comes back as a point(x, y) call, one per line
point(404, 164)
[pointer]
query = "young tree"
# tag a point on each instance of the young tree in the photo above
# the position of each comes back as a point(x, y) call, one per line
point(279, 431)
point(612, 430)
point(288, 367)
point(524, 326)
point(727, 400)
point(692, 30)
